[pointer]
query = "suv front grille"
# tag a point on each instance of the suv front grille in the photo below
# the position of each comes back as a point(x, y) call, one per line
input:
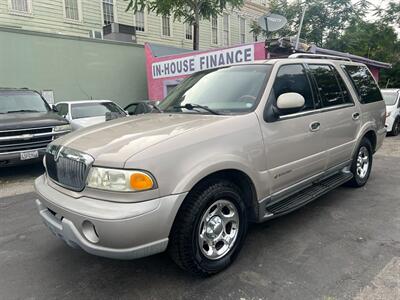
point(68, 167)
point(25, 139)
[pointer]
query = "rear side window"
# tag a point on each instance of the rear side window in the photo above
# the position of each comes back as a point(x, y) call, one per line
point(331, 87)
point(364, 84)
point(293, 79)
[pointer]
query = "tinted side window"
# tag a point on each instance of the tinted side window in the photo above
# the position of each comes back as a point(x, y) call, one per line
point(328, 85)
point(131, 108)
point(293, 79)
point(62, 109)
point(365, 85)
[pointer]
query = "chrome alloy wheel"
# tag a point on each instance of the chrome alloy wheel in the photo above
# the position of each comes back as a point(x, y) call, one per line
point(362, 162)
point(218, 230)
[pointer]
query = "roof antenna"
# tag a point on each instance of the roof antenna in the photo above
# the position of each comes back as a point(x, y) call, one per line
point(301, 25)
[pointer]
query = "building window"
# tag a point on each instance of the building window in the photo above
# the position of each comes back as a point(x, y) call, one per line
point(71, 8)
point(166, 25)
point(24, 6)
point(139, 21)
point(188, 31)
point(214, 30)
point(242, 30)
point(108, 11)
point(226, 30)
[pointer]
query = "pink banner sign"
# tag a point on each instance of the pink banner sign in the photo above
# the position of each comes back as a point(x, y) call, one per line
point(166, 72)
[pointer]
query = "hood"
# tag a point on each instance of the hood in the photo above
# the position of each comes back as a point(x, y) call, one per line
point(85, 122)
point(112, 143)
point(390, 108)
point(30, 120)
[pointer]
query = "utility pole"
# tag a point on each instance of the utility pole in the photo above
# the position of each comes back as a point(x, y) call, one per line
point(301, 25)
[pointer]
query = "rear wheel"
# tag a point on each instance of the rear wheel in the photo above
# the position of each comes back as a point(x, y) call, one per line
point(362, 164)
point(209, 229)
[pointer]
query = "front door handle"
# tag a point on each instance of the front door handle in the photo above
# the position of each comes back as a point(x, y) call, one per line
point(315, 126)
point(355, 116)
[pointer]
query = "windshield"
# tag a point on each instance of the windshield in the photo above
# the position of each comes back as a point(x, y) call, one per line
point(21, 102)
point(88, 110)
point(389, 97)
point(228, 90)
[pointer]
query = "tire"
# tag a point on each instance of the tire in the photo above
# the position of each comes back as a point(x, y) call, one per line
point(396, 127)
point(188, 245)
point(362, 164)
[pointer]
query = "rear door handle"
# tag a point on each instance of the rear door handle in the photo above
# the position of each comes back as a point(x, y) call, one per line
point(315, 126)
point(355, 116)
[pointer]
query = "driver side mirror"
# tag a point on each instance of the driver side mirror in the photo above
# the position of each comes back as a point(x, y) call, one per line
point(54, 108)
point(290, 102)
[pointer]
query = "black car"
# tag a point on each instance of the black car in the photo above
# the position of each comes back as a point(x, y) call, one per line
point(27, 125)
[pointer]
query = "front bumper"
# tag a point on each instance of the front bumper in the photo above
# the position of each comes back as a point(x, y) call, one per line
point(108, 229)
point(8, 159)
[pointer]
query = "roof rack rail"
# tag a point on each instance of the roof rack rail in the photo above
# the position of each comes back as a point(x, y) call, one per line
point(318, 56)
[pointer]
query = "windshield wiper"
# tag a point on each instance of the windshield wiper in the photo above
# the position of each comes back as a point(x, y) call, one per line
point(192, 106)
point(155, 106)
point(22, 110)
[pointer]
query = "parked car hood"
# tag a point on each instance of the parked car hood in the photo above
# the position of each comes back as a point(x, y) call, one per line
point(112, 143)
point(30, 120)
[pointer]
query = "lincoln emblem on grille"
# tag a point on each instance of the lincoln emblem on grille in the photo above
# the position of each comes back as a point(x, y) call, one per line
point(58, 153)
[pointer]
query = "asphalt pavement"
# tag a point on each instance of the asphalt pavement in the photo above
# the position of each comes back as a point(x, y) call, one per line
point(345, 245)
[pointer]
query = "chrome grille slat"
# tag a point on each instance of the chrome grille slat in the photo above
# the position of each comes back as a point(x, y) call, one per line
point(25, 131)
point(24, 143)
point(24, 148)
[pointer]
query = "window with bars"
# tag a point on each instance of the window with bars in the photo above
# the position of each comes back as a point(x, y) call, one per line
point(242, 30)
point(139, 21)
point(71, 9)
point(214, 30)
point(108, 11)
point(226, 30)
point(21, 5)
point(166, 26)
point(188, 31)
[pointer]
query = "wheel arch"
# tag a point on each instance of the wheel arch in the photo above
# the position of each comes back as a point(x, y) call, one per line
point(371, 136)
point(369, 132)
point(238, 177)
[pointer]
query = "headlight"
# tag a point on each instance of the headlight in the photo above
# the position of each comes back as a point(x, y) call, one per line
point(120, 180)
point(62, 128)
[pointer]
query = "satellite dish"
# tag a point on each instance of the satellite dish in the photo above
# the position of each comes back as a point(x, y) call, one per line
point(272, 22)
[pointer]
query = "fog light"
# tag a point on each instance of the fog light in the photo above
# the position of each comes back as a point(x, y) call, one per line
point(89, 231)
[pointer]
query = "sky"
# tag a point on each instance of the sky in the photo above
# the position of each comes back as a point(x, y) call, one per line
point(377, 3)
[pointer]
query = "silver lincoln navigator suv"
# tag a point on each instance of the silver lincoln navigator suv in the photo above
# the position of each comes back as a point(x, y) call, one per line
point(228, 146)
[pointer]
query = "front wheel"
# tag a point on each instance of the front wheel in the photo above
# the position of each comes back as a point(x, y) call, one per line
point(362, 164)
point(209, 229)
